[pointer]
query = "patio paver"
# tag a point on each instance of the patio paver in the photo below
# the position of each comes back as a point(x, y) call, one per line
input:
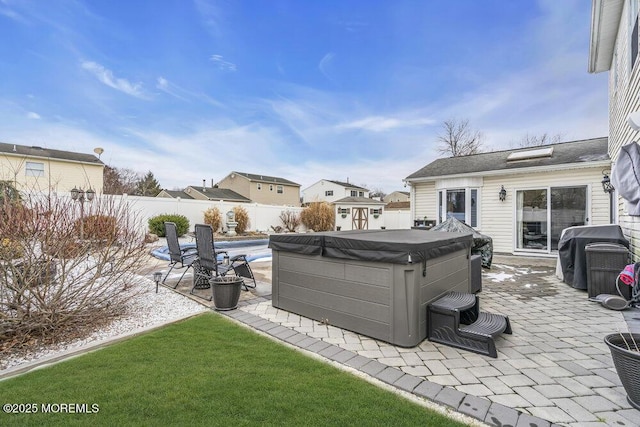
point(554, 370)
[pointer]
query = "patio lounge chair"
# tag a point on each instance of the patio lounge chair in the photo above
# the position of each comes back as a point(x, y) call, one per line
point(208, 263)
point(177, 255)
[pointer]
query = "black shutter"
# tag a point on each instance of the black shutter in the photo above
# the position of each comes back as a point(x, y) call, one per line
point(634, 44)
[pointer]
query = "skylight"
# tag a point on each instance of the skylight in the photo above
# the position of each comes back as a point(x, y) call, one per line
point(530, 154)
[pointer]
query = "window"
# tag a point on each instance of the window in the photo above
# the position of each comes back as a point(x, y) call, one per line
point(343, 210)
point(259, 186)
point(34, 169)
point(461, 204)
point(354, 193)
point(328, 193)
point(361, 194)
point(376, 211)
point(279, 189)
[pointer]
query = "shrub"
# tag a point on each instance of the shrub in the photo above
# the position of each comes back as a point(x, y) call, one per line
point(98, 227)
point(63, 287)
point(318, 216)
point(290, 220)
point(156, 224)
point(213, 217)
point(10, 249)
point(242, 218)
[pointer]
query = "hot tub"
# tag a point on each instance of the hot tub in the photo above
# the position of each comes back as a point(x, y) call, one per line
point(373, 282)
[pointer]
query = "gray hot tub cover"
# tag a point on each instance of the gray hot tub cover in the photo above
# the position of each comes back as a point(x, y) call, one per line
point(393, 246)
point(482, 244)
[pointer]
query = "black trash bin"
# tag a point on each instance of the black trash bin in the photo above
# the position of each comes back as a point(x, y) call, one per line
point(605, 261)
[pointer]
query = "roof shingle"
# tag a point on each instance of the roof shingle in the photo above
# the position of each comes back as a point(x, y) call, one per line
point(589, 150)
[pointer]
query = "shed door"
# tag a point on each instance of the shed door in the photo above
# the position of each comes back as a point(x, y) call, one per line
point(360, 219)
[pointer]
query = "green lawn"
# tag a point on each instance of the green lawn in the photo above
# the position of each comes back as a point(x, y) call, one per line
point(206, 371)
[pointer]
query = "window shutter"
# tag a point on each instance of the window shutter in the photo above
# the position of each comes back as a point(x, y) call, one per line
point(634, 43)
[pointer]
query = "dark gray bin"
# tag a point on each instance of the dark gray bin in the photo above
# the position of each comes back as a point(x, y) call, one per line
point(377, 283)
point(605, 261)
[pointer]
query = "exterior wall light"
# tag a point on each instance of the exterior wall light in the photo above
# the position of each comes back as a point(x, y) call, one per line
point(80, 196)
point(502, 194)
point(607, 186)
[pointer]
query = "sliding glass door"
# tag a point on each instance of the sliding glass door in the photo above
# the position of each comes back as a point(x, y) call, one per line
point(568, 209)
point(531, 219)
point(539, 223)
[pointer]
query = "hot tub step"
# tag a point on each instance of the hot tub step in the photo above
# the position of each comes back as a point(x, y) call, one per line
point(453, 321)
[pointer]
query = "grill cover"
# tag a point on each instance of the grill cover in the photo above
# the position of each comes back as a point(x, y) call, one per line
point(571, 249)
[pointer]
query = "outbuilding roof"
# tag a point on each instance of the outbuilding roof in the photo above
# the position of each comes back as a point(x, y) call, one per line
point(44, 153)
point(359, 200)
point(177, 193)
point(562, 154)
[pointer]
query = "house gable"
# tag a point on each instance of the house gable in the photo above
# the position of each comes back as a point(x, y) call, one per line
point(42, 169)
point(327, 190)
point(269, 190)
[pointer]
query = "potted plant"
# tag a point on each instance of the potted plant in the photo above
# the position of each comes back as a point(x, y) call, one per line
point(226, 292)
point(625, 351)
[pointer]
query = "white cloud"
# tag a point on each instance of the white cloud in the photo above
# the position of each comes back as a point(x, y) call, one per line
point(11, 14)
point(384, 124)
point(184, 94)
point(325, 64)
point(32, 115)
point(106, 77)
point(222, 64)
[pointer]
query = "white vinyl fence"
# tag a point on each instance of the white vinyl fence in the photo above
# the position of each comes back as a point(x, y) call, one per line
point(261, 217)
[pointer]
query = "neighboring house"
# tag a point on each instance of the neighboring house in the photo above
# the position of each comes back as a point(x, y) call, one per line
point(546, 189)
point(397, 196)
point(200, 192)
point(47, 170)
point(327, 190)
point(359, 213)
point(614, 48)
point(267, 190)
point(173, 194)
point(398, 206)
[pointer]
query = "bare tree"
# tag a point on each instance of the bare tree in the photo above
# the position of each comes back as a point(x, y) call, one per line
point(377, 192)
point(120, 180)
point(374, 191)
point(529, 140)
point(458, 139)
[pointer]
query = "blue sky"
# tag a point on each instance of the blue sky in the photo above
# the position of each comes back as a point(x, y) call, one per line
point(301, 89)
